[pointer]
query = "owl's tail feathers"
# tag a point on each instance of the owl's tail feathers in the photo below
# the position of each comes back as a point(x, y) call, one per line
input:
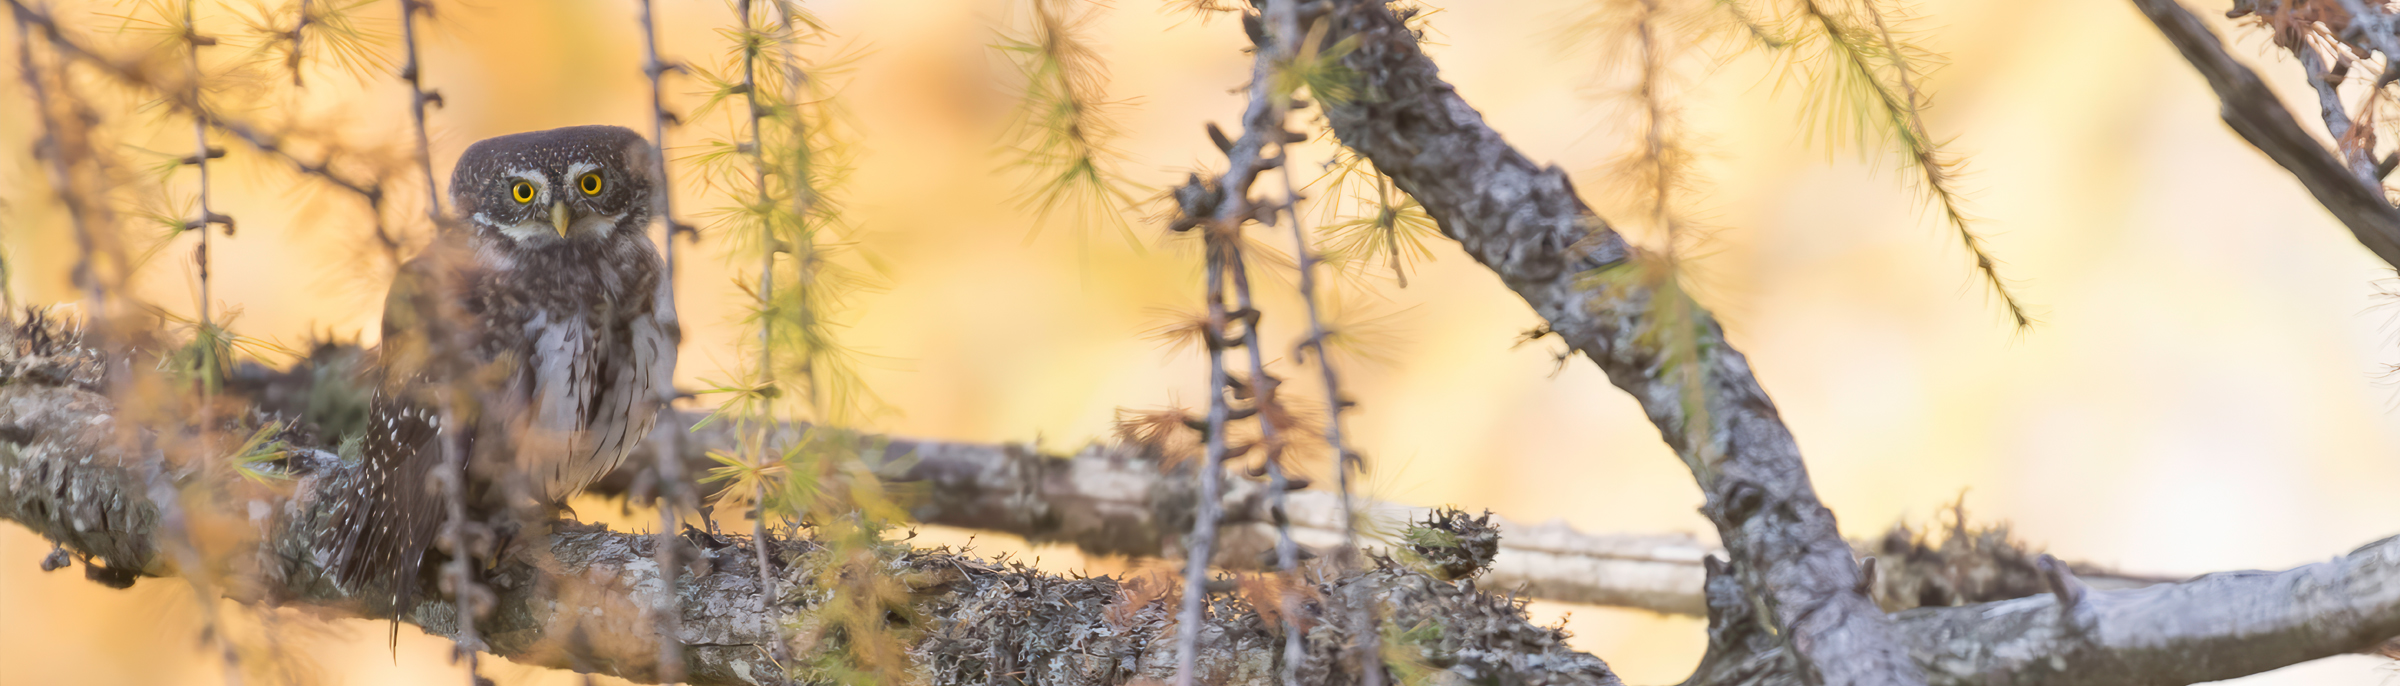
point(391, 516)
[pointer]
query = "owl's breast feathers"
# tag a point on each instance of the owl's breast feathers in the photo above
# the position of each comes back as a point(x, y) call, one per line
point(592, 358)
point(553, 360)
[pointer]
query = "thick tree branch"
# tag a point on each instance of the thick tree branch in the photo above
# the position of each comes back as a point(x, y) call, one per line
point(1525, 223)
point(574, 596)
point(2214, 627)
point(1121, 499)
point(2254, 112)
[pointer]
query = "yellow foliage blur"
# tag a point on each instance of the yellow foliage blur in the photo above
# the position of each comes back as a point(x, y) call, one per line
point(2206, 389)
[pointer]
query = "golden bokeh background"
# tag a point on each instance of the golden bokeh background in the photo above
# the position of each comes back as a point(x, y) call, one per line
point(2207, 388)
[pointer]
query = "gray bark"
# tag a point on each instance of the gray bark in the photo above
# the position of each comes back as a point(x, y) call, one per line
point(2210, 628)
point(576, 596)
point(2254, 112)
point(1525, 222)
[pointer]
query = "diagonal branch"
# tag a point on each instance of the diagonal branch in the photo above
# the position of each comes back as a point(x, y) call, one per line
point(1526, 224)
point(2254, 112)
point(1121, 499)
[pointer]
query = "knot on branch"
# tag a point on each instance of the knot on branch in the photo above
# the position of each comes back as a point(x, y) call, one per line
point(44, 351)
point(1196, 201)
point(1451, 546)
point(1966, 564)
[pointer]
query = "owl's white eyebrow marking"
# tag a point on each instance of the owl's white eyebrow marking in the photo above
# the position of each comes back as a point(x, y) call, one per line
point(577, 169)
point(533, 229)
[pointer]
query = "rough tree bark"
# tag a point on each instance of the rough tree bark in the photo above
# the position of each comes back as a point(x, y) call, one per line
point(69, 472)
point(2254, 112)
point(1803, 614)
point(572, 596)
point(1525, 222)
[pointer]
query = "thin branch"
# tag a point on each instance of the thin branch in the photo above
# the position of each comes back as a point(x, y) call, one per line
point(418, 97)
point(186, 100)
point(210, 369)
point(2353, 145)
point(292, 61)
point(1904, 105)
point(61, 149)
point(1212, 464)
point(1264, 390)
point(199, 159)
point(2259, 116)
point(766, 290)
point(1283, 20)
point(671, 491)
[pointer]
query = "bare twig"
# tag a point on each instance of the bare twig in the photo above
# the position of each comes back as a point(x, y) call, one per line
point(205, 380)
point(1219, 238)
point(184, 99)
point(2355, 146)
point(61, 148)
point(418, 97)
point(1264, 394)
point(459, 573)
point(291, 62)
point(1283, 26)
point(671, 491)
point(199, 159)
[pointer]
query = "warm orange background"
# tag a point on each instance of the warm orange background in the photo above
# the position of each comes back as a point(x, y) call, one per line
point(2207, 389)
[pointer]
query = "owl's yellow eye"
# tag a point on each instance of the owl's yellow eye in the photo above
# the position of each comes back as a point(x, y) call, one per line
point(590, 183)
point(523, 192)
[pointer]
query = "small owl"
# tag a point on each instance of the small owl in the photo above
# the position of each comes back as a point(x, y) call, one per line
point(541, 320)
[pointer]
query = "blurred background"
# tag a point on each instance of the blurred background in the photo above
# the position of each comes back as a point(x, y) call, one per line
point(2208, 387)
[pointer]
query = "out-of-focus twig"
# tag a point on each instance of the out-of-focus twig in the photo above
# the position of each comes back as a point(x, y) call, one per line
point(671, 491)
point(183, 98)
point(2259, 116)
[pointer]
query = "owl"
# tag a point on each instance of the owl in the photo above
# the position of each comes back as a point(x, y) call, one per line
point(538, 323)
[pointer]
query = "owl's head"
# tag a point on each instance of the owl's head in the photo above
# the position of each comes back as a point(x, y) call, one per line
point(575, 184)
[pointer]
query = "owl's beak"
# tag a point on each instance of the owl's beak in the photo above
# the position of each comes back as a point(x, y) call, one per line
point(559, 218)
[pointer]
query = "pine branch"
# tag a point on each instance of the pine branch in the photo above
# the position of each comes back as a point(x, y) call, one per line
point(65, 147)
point(184, 98)
point(766, 288)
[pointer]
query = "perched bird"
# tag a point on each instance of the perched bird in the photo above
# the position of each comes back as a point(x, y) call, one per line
point(539, 324)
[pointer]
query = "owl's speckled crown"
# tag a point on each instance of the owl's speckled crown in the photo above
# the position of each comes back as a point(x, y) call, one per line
point(482, 183)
